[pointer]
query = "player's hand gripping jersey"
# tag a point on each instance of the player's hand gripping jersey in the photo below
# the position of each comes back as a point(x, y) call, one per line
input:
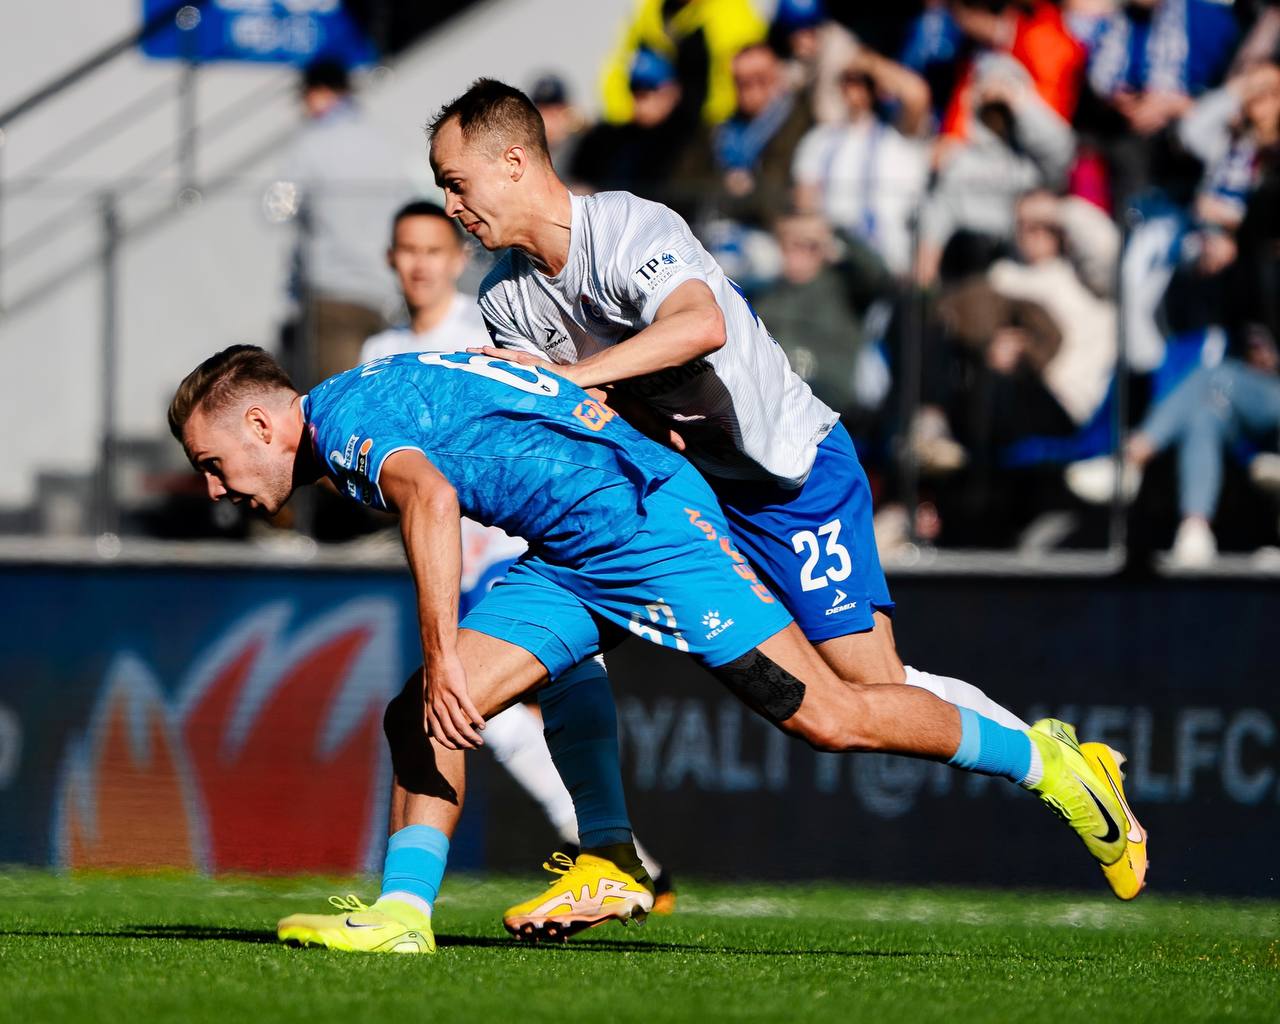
point(744, 413)
point(524, 449)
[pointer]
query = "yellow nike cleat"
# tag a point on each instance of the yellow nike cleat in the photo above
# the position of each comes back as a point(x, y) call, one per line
point(1128, 875)
point(360, 928)
point(589, 891)
point(1074, 791)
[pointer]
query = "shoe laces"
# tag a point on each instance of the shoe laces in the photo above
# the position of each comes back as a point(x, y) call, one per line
point(350, 903)
point(560, 864)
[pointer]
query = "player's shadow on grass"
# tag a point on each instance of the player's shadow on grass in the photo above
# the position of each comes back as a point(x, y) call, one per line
point(580, 946)
point(211, 933)
point(196, 932)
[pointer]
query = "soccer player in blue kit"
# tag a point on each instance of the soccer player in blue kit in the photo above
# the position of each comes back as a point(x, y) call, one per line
point(625, 536)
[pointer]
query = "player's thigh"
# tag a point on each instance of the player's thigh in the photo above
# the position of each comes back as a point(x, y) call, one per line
point(816, 547)
point(499, 672)
point(787, 681)
point(526, 629)
point(870, 656)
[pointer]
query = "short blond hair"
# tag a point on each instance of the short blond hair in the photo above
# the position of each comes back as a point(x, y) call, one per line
point(221, 379)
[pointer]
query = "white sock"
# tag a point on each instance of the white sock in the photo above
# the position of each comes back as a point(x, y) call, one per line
point(1036, 772)
point(515, 738)
point(649, 861)
point(413, 900)
point(960, 693)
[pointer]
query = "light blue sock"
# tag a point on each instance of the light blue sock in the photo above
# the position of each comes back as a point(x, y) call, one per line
point(989, 748)
point(416, 857)
point(580, 723)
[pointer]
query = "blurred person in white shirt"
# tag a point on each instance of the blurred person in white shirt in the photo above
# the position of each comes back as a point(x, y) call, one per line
point(862, 174)
point(428, 255)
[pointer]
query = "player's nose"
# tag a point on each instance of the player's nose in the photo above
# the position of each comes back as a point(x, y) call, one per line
point(214, 486)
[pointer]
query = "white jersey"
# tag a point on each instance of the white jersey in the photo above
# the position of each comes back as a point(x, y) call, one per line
point(743, 412)
point(462, 328)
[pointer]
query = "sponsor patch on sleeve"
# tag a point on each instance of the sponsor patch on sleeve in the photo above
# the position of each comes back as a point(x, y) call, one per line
point(658, 270)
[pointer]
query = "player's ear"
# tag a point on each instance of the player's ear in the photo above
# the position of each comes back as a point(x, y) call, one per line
point(517, 161)
point(391, 257)
point(258, 420)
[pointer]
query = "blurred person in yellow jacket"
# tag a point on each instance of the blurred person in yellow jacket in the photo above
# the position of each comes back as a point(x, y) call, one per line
point(700, 37)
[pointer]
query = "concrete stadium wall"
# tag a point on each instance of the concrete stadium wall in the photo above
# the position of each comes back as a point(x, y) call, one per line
point(229, 721)
point(203, 276)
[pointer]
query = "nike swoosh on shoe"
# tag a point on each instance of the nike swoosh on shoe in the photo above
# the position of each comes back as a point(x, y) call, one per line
point(1134, 833)
point(1113, 828)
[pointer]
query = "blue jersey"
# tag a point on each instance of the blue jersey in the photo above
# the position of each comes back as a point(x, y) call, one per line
point(526, 450)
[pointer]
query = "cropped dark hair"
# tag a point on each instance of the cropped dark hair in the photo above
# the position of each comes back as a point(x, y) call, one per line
point(496, 110)
point(423, 208)
point(220, 379)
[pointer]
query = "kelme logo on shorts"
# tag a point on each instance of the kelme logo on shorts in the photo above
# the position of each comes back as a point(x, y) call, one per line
point(715, 625)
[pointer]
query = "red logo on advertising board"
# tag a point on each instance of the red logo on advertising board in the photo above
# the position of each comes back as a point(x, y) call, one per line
point(268, 756)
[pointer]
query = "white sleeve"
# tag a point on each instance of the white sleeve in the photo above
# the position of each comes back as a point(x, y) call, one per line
point(656, 254)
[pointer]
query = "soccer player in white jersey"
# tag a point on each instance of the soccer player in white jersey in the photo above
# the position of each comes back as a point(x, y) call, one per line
point(428, 256)
point(615, 290)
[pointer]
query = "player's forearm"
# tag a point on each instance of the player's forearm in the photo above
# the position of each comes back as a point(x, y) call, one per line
point(674, 340)
point(432, 534)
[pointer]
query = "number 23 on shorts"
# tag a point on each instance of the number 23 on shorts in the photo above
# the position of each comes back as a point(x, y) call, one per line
point(837, 563)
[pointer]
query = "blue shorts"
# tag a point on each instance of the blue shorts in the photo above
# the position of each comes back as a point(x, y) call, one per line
point(814, 545)
point(678, 582)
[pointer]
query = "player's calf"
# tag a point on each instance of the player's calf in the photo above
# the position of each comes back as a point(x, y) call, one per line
point(414, 758)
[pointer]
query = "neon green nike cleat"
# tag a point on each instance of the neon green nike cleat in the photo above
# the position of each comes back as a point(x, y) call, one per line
point(386, 927)
point(589, 891)
point(1074, 791)
point(1128, 875)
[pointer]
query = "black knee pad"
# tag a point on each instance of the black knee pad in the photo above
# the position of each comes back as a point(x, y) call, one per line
point(765, 687)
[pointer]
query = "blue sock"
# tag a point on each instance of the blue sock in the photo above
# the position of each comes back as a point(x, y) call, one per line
point(580, 723)
point(989, 748)
point(416, 856)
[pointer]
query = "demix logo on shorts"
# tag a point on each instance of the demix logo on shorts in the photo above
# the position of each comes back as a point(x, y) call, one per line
point(839, 604)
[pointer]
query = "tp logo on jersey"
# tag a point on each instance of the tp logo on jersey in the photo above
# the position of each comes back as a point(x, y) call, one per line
point(715, 625)
point(659, 270)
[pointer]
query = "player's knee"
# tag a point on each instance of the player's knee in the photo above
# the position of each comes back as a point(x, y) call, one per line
point(402, 719)
point(820, 734)
point(764, 686)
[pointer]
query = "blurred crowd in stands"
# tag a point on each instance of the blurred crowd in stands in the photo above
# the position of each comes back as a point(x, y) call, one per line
point(1026, 248)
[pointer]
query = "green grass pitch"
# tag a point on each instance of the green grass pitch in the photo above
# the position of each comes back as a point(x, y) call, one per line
point(103, 948)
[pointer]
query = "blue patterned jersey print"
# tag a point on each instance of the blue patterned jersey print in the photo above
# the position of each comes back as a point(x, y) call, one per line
point(525, 450)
